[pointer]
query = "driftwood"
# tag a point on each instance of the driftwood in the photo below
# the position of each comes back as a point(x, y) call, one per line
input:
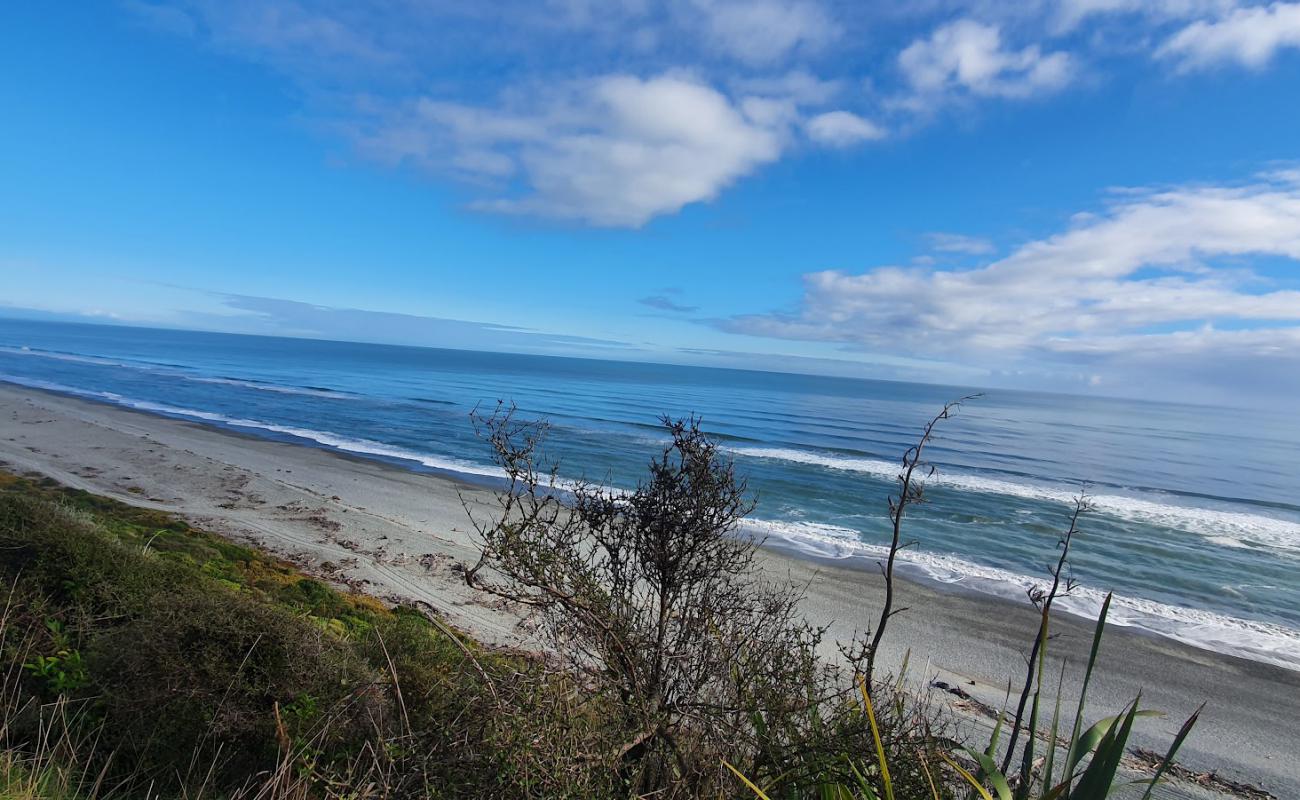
point(1149, 760)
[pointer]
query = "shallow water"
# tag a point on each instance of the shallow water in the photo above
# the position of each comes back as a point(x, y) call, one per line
point(1196, 524)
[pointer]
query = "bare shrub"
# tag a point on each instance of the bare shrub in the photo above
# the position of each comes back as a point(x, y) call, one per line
point(911, 491)
point(652, 597)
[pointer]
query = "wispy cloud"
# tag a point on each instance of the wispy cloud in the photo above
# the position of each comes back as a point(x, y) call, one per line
point(162, 18)
point(1249, 36)
point(1068, 14)
point(765, 31)
point(665, 303)
point(959, 243)
point(843, 129)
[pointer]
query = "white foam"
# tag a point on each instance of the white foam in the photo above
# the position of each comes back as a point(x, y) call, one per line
point(326, 438)
point(1209, 630)
point(1220, 526)
point(333, 440)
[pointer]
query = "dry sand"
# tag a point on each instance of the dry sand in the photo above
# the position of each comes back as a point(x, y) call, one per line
point(402, 536)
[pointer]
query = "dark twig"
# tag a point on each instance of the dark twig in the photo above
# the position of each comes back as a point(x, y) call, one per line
point(1043, 601)
point(911, 491)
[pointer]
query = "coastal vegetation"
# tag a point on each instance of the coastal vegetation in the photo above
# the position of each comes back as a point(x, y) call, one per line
point(142, 657)
point(653, 602)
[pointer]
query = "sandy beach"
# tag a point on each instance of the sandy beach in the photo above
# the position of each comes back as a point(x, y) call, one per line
point(402, 536)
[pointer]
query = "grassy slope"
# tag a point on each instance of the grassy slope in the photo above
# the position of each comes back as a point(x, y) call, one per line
point(137, 650)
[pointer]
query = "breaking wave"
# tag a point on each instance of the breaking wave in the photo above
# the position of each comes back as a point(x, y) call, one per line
point(1233, 528)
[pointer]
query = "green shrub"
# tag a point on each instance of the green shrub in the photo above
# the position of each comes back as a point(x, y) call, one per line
point(211, 667)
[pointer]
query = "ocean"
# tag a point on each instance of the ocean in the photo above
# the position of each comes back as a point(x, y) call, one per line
point(1196, 526)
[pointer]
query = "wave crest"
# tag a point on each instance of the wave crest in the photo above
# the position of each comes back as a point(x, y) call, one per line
point(1220, 526)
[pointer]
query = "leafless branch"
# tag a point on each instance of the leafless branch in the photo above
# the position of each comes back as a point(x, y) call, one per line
point(911, 491)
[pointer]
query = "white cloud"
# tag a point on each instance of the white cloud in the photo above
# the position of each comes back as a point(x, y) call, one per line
point(842, 129)
point(296, 37)
point(1070, 13)
point(614, 151)
point(534, 103)
point(799, 86)
point(1259, 367)
point(1253, 344)
point(1249, 36)
point(1131, 280)
point(968, 56)
point(764, 31)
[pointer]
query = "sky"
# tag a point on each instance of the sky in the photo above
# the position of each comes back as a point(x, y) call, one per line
point(1087, 196)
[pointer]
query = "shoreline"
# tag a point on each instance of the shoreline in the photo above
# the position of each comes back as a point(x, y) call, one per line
point(1083, 605)
point(400, 534)
point(1266, 640)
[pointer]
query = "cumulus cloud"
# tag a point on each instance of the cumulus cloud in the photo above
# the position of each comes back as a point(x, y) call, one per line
point(613, 151)
point(1248, 36)
point(1134, 278)
point(969, 56)
point(842, 129)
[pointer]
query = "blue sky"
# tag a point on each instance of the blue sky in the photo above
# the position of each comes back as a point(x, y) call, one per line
point(1080, 195)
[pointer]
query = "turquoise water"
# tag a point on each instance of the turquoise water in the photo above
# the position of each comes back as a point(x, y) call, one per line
point(1197, 521)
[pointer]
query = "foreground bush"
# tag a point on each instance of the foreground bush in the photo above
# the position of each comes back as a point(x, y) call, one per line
point(653, 598)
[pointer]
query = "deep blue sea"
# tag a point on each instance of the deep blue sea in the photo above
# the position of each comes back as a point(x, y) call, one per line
point(1197, 521)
